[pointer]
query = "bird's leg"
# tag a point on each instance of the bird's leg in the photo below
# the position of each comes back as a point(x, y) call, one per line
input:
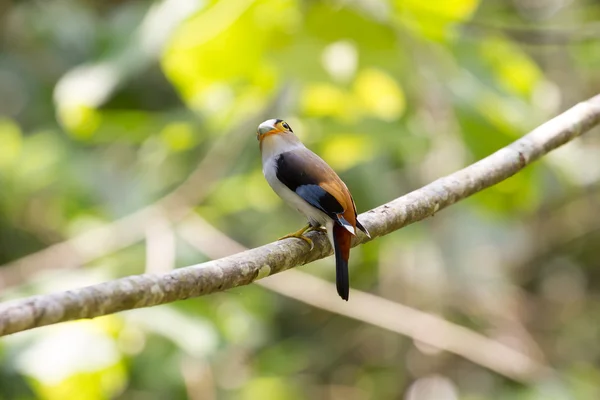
point(300, 235)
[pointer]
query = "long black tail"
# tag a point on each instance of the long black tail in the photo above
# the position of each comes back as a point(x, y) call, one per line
point(341, 247)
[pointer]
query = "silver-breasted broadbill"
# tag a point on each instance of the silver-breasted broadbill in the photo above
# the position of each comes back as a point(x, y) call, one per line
point(304, 181)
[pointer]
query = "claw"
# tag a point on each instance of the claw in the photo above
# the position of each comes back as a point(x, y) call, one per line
point(300, 235)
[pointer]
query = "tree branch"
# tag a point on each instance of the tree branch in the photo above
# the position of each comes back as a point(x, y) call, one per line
point(417, 325)
point(132, 228)
point(241, 269)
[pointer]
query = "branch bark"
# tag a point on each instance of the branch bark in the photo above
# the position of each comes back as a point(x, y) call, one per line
point(132, 228)
point(417, 325)
point(241, 269)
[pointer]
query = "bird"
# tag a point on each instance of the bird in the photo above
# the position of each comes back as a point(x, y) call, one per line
point(307, 183)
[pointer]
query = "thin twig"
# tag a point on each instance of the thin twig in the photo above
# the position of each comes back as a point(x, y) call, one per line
point(246, 267)
point(536, 36)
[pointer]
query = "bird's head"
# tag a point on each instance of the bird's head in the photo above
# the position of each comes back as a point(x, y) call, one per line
point(273, 127)
point(275, 135)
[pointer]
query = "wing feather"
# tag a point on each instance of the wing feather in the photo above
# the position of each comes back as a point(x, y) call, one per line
point(305, 173)
point(317, 197)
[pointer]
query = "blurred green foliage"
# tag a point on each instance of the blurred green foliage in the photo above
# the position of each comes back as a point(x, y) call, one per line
point(105, 107)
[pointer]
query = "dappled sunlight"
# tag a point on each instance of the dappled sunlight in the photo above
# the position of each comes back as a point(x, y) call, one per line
point(128, 146)
point(380, 96)
point(75, 360)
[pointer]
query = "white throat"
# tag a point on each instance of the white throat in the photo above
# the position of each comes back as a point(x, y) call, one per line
point(274, 145)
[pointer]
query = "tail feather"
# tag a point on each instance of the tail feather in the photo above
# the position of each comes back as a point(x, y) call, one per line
point(341, 247)
point(362, 228)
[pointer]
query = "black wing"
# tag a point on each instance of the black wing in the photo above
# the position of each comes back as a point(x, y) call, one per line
point(300, 177)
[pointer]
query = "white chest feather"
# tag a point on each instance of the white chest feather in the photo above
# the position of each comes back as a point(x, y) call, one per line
point(270, 153)
point(315, 216)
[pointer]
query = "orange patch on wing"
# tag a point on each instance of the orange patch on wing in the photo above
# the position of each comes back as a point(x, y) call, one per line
point(338, 189)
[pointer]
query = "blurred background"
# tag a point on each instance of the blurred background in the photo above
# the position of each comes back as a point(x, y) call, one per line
point(128, 129)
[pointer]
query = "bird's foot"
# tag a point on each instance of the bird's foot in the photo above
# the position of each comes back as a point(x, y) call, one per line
point(300, 235)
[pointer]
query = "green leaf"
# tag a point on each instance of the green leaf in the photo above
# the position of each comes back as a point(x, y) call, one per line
point(12, 143)
point(434, 20)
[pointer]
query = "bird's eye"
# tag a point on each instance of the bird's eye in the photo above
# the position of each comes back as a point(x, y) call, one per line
point(286, 126)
